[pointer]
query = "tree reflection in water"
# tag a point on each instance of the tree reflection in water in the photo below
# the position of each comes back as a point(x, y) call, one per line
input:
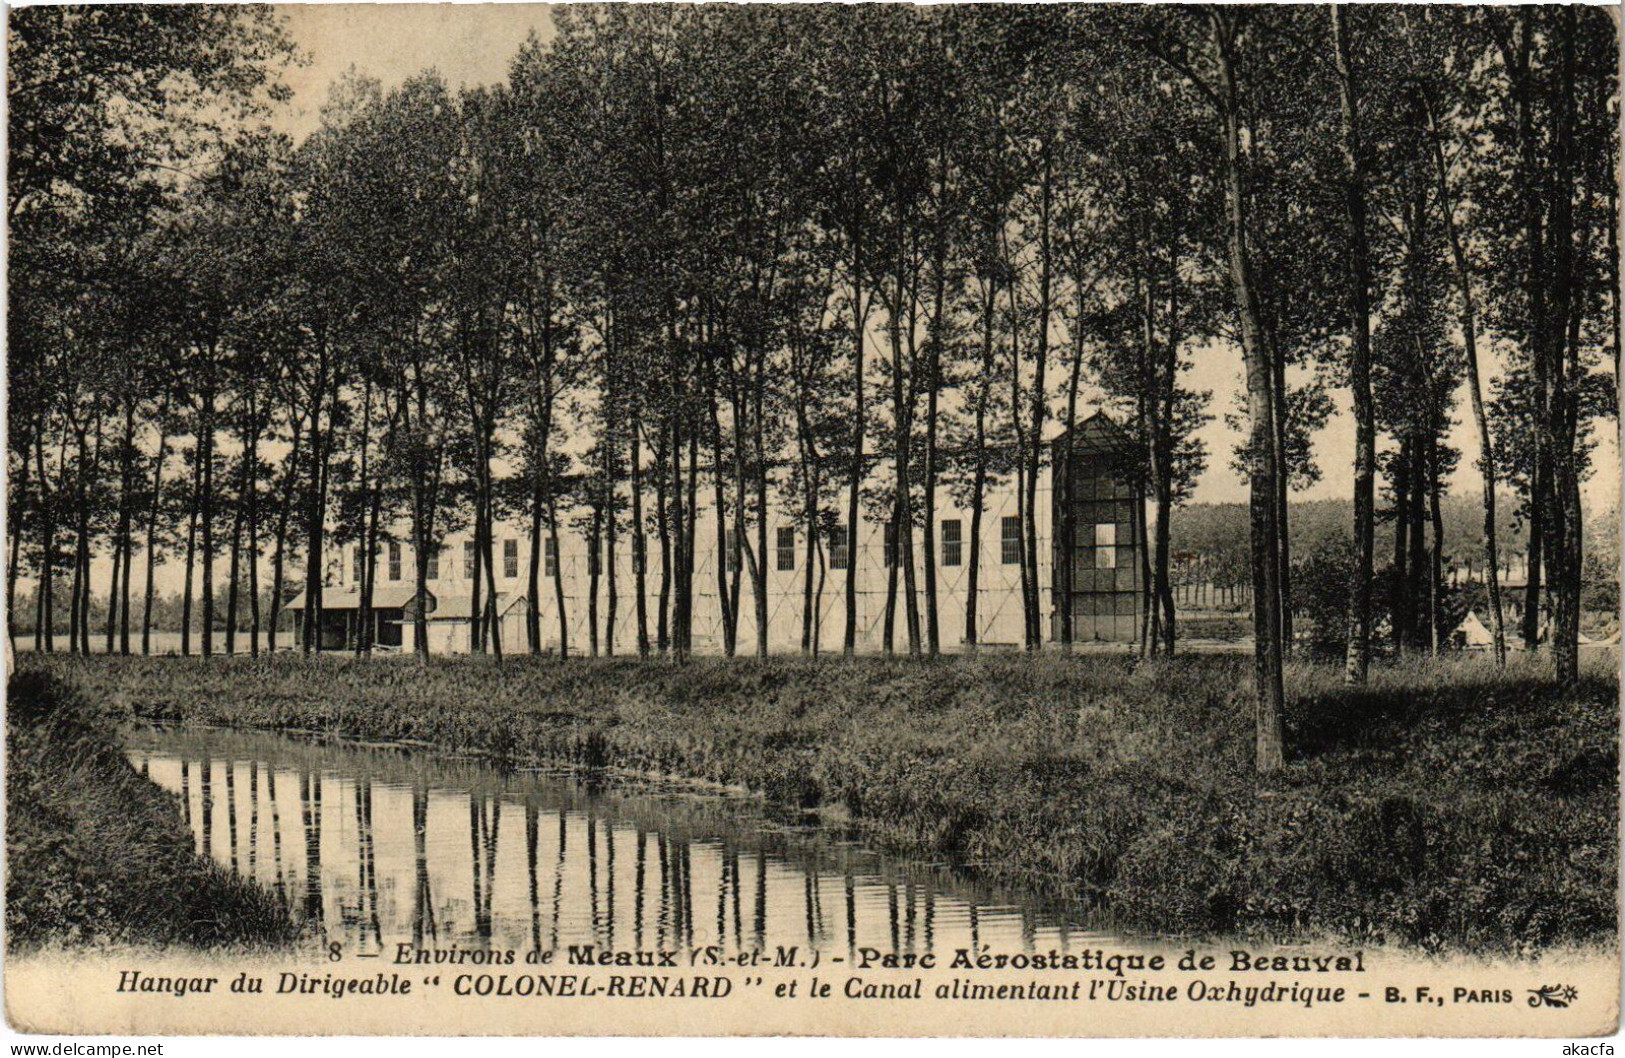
point(402, 845)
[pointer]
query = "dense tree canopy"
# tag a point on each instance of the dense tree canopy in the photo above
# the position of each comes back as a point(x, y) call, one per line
point(834, 259)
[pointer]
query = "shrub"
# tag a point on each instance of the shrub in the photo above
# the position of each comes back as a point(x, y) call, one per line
point(96, 852)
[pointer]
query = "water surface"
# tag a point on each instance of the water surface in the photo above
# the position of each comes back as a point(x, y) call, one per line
point(372, 846)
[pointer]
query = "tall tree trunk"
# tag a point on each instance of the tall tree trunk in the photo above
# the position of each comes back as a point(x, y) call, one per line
point(476, 597)
point(679, 604)
point(311, 633)
point(127, 532)
point(1611, 260)
point(16, 526)
point(542, 498)
point(860, 323)
point(44, 618)
point(1163, 460)
point(1062, 482)
point(640, 541)
point(206, 443)
point(1283, 531)
point(121, 534)
point(371, 533)
point(935, 336)
point(1475, 389)
point(611, 527)
point(152, 525)
point(318, 555)
point(367, 543)
point(1529, 184)
point(1270, 706)
point(759, 566)
point(85, 472)
point(1557, 420)
point(594, 573)
point(111, 621)
point(493, 623)
point(1538, 501)
point(889, 546)
point(254, 540)
point(239, 517)
point(74, 585)
point(1028, 588)
point(423, 501)
point(1416, 587)
point(533, 581)
point(725, 598)
point(1164, 535)
point(979, 470)
point(1400, 603)
point(191, 546)
point(663, 531)
point(233, 578)
point(558, 578)
point(809, 505)
point(1436, 563)
point(1144, 356)
point(902, 413)
point(1358, 659)
point(1040, 408)
point(279, 550)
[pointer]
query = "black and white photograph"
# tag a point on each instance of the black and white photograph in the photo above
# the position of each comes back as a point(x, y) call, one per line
point(812, 519)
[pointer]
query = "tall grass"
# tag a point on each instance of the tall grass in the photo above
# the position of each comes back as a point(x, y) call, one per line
point(1445, 804)
point(96, 853)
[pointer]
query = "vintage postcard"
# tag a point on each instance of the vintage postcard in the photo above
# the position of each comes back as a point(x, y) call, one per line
point(993, 520)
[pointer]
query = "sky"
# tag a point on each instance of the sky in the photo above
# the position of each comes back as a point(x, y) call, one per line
point(469, 44)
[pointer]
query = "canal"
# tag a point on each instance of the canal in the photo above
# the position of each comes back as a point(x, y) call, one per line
point(372, 846)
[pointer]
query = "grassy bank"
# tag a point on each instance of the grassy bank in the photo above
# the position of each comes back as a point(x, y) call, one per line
point(1443, 805)
point(95, 852)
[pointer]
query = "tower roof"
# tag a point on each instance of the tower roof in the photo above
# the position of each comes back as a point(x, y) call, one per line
point(1097, 434)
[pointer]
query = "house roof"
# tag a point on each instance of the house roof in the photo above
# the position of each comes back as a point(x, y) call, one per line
point(401, 596)
point(458, 607)
point(341, 597)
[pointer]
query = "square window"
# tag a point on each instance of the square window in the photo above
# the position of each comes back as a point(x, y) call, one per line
point(1106, 545)
point(787, 548)
point(838, 547)
point(952, 542)
point(1010, 540)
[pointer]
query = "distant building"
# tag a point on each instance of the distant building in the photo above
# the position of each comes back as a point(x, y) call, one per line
point(1101, 572)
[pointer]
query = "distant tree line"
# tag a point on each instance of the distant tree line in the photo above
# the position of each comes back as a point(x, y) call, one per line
point(887, 246)
point(1211, 566)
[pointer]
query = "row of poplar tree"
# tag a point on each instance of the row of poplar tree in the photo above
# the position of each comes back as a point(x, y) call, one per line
point(831, 258)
